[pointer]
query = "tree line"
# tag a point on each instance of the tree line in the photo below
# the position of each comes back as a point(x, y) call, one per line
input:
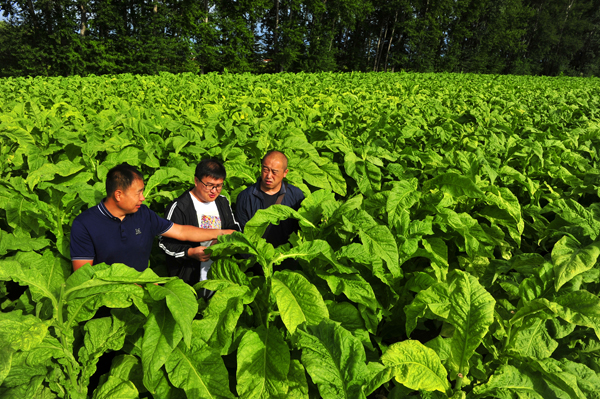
point(68, 37)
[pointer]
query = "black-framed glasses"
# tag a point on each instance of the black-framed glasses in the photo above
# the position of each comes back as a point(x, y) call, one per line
point(210, 187)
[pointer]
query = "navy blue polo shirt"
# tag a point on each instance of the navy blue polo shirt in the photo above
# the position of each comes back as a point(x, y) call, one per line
point(96, 234)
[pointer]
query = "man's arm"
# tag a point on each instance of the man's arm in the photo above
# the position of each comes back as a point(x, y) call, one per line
point(298, 198)
point(79, 263)
point(194, 234)
point(81, 245)
point(242, 209)
point(178, 250)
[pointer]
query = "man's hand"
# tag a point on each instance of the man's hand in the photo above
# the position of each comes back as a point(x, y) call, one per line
point(225, 232)
point(198, 254)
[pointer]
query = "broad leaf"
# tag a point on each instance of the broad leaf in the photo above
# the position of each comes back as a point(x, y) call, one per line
point(161, 336)
point(199, 371)
point(416, 366)
point(471, 314)
point(570, 259)
point(335, 360)
point(263, 363)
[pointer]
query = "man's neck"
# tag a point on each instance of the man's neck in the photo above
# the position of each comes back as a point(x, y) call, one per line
point(114, 210)
point(196, 196)
point(272, 191)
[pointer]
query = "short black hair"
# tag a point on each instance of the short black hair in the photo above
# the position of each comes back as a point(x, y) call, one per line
point(121, 177)
point(212, 168)
point(272, 152)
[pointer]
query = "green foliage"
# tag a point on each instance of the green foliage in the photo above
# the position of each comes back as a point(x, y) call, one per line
point(448, 242)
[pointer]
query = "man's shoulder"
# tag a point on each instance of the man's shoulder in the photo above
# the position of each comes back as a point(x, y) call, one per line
point(221, 199)
point(246, 193)
point(88, 214)
point(183, 201)
point(294, 190)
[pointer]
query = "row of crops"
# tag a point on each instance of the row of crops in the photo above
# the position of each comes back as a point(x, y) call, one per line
point(448, 243)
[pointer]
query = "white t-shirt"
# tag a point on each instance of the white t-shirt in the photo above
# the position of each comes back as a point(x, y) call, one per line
point(208, 218)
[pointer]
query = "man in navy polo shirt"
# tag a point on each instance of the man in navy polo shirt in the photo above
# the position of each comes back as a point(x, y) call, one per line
point(121, 230)
point(270, 190)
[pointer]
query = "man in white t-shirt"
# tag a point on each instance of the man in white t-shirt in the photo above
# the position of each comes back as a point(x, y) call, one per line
point(203, 206)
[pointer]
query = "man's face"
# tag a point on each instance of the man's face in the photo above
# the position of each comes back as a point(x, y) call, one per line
point(131, 199)
point(207, 189)
point(273, 171)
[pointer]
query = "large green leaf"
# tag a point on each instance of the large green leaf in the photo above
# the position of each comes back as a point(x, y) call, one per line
point(297, 385)
point(10, 242)
point(116, 387)
point(456, 185)
point(366, 175)
point(532, 339)
point(505, 210)
point(350, 318)
point(553, 372)
point(378, 240)
point(44, 274)
point(103, 335)
point(511, 382)
point(199, 371)
point(5, 362)
point(181, 301)
point(570, 259)
point(21, 332)
point(161, 336)
point(403, 196)
point(298, 300)
point(335, 361)
point(310, 250)
point(335, 177)
point(433, 302)
point(577, 215)
point(313, 174)
point(416, 366)
point(263, 363)
point(49, 170)
point(319, 205)
point(255, 227)
point(221, 317)
point(475, 238)
point(471, 314)
point(354, 287)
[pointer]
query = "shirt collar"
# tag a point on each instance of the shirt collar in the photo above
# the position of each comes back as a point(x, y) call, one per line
point(259, 193)
point(104, 211)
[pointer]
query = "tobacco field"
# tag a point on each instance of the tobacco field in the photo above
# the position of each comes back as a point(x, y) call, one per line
point(448, 243)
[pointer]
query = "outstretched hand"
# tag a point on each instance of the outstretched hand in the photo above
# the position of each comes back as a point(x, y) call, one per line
point(198, 254)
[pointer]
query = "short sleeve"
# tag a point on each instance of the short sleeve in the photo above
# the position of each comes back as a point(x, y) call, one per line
point(159, 225)
point(82, 247)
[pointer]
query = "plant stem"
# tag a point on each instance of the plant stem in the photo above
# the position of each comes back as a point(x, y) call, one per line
point(72, 364)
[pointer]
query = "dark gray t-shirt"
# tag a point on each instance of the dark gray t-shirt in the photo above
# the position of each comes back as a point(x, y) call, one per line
point(269, 199)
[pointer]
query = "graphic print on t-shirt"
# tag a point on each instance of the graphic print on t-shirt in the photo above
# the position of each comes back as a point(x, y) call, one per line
point(210, 222)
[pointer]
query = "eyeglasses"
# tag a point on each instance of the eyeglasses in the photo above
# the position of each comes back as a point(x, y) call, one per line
point(210, 187)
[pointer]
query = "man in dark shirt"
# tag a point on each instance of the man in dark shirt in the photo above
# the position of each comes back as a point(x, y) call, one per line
point(268, 190)
point(121, 230)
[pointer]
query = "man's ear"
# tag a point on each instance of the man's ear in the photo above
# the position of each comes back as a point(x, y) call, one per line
point(117, 195)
